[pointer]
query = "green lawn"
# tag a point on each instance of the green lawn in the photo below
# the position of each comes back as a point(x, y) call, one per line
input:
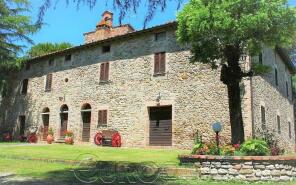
point(72, 152)
point(12, 160)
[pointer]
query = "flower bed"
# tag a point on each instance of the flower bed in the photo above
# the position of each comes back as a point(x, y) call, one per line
point(250, 168)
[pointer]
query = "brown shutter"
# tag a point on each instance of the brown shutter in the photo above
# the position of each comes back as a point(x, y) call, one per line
point(105, 117)
point(99, 114)
point(156, 63)
point(102, 71)
point(162, 63)
point(48, 82)
point(106, 71)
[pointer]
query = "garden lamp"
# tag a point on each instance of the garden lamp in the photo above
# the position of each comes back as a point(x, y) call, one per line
point(217, 127)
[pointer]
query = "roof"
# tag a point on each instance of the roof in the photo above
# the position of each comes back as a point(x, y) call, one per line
point(84, 46)
point(281, 51)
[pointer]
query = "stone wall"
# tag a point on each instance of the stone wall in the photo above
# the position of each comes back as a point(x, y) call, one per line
point(248, 168)
point(274, 98)
point(194, 91)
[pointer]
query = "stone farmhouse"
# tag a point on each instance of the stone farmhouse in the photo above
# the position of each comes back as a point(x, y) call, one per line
point(142, 84)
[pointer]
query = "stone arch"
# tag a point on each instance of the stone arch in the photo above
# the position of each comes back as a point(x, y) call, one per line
point(45, 120)
point(64, 120)
point(86, 121)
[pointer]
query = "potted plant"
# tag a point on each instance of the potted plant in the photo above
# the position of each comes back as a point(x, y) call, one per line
point(69, 137)
point(50, 137)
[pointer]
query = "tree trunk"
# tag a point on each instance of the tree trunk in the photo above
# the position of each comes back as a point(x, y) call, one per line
point(231, 76)
point(235, 111)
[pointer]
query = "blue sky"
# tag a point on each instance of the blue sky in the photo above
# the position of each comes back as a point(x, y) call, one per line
point(66, 23)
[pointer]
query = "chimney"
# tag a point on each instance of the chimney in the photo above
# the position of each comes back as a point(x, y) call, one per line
point(105, 29)
point(106, 21)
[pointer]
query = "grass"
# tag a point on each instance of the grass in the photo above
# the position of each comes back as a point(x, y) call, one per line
point(11, 162)
point(72, 152)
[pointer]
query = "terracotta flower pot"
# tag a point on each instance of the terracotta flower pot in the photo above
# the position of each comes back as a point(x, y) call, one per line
point(69, 140)
point(49, 139)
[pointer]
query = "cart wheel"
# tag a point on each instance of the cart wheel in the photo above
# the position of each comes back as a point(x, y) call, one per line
point(98, 138)
point(116, 140)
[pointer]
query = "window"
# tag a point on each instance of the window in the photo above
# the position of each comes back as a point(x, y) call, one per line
point(68, 58)
point(290, 133)
point(24, 88)
point(22, 120)
point(106, 49)
point(104, 73)
point(50, 62)
point(159, 63)
point(28, 66)
point(48, 82)
point(260, 58)
point(102, 118)
point(161, 36)
point(278, 120)
point(263, 121)
point(287, 89)
point(276, 77)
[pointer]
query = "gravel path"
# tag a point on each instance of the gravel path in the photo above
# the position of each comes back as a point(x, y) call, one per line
point(12, 179)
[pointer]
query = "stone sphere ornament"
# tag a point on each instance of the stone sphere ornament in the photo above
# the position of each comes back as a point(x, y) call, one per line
point(217, 127)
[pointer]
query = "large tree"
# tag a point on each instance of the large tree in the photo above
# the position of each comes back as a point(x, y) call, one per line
point(15, 28)
point(222, 31)
point(45, 48)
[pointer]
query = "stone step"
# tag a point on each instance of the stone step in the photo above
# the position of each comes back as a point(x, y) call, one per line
point(61, 140)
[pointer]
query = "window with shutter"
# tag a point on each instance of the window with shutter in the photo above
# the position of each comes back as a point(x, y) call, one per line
point(48, 82)
point(102, 118)
point(278, 118)
point(24, 88)
point(263, 120)
point(159, 63)
point(276, 77)
point(104, 72)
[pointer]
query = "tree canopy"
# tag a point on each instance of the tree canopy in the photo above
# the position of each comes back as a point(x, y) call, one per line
point(213, 26)
point(45, 48)
point(15, 28)
point(221, 32)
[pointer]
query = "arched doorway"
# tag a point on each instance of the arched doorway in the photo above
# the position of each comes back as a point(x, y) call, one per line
point(45, 120)
point(64, 120)
point(86, 120)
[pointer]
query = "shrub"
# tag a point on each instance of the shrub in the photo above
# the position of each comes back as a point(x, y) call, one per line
point(227, 150)
point(255, 147)
point(196, 148)
point(50, 132)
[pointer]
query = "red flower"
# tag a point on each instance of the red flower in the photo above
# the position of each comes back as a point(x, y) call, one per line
point(236, 146)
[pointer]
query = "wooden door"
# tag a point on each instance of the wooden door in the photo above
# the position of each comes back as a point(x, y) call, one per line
point(45, 118)
point(86, 119)
point(22, 120)
point(160, 129)
point(64, 123)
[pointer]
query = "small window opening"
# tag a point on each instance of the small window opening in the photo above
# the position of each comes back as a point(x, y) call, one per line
point(106, 49)
point(68, 58)
point(161, 36)
point(24, 88)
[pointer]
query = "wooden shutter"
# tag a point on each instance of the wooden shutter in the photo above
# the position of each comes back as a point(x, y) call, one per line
point(162, 63)
point(156, 63)
point(25, 86)
point(102, 71)
point(106, 71)
point(48, 82)
point(102, 117)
